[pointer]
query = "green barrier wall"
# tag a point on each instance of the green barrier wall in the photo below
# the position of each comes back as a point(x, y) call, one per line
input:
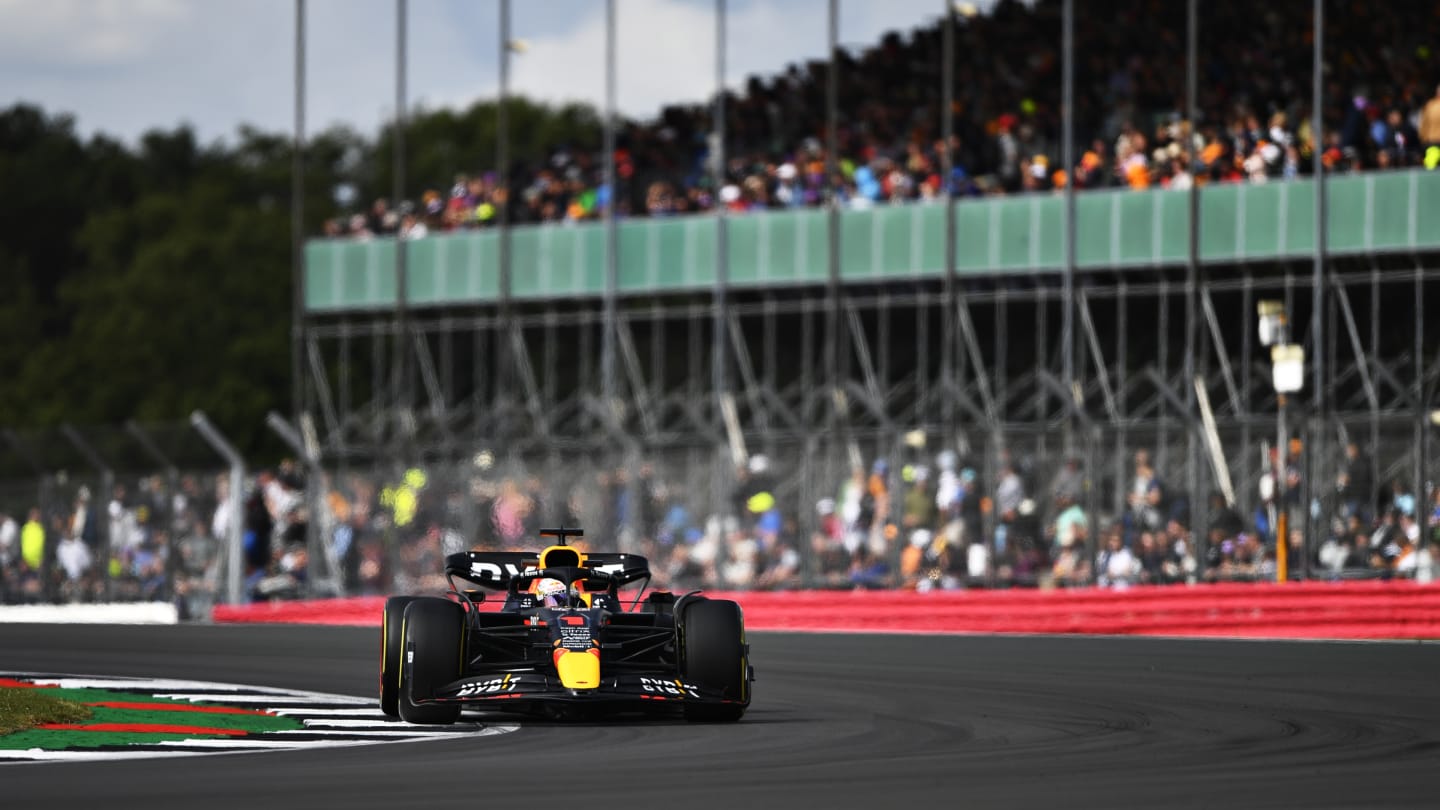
point(1369, 213)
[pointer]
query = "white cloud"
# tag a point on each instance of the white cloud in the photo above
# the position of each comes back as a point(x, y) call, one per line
point(666, 48)
point(65, 33)
point(126, 66)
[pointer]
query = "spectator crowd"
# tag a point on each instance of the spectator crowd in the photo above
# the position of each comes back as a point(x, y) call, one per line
point(941, 528)
point(148, 542)
point(927, 523)
point(155, 540)
point(1380, 106)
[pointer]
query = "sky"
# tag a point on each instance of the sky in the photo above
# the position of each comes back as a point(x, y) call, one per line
point(123, 67)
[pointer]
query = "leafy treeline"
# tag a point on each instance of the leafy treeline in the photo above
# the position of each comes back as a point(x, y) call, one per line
point(144, 282)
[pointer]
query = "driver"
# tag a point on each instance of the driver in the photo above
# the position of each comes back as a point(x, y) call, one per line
point(551, 593)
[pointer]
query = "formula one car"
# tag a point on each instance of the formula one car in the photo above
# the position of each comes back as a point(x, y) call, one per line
point(563, 643)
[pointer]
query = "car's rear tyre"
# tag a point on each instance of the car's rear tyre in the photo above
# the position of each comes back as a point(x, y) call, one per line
point(392, 645)
point(713, 656)
point(432, 636)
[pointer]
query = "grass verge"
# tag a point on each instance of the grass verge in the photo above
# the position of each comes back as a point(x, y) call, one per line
point(22, 709)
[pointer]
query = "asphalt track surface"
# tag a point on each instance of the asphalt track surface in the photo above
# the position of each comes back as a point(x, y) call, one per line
point(838, 721)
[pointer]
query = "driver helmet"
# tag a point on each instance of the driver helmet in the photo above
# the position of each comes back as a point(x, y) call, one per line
point(551, 593)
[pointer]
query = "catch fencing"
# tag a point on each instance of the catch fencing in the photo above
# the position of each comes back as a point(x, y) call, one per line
point(827, 514)
point(141, 514)
point(113, 514)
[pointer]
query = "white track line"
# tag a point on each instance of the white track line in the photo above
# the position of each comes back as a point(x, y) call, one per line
point(346, 723)
point(239, 744)
point(273, 700)
point(346, 739)
point(351, 733)
point(375, 713)
point(36, 755)
point(154, 684)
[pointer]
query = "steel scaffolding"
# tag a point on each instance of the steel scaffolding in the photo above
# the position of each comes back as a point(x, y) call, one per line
point(1004, 388)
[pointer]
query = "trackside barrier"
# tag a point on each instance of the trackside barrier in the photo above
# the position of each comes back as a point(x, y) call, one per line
point(92, 613)
point(1302, 610)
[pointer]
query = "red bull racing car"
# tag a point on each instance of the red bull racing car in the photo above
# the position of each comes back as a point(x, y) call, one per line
point(564, 641)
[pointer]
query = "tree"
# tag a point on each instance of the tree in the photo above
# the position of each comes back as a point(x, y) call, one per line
point(145, 282)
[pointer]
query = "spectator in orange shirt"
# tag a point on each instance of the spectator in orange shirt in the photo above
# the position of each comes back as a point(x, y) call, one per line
point(1430, 121)
point(1430, 131)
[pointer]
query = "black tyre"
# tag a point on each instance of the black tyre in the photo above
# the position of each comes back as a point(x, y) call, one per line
point(392, 644)
point(713, 655)
point(432, 636)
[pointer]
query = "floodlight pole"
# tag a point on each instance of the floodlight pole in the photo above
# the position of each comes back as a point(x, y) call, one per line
point(608, 333)
point(297, 221)
point(1067, 299)
point(947, 170)
point(503, 384)
point(402, 304)
point(719, 359)
point(1199, 506)
point(835, 347)
point(1317, 287)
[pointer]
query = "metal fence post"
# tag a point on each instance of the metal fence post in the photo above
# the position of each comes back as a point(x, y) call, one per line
point(227, 451)
point(172, 484)
point(107, 484)
point(318, 550)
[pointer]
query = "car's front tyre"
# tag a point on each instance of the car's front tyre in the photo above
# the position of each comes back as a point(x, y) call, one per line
point(713, 655)
point(433, 634)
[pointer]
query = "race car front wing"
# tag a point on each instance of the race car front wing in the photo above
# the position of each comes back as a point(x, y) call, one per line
point(507, 690)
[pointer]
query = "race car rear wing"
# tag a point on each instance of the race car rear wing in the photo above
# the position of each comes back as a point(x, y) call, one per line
point(495, 569)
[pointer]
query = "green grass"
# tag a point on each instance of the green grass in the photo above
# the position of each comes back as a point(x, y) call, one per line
point(22, 709)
